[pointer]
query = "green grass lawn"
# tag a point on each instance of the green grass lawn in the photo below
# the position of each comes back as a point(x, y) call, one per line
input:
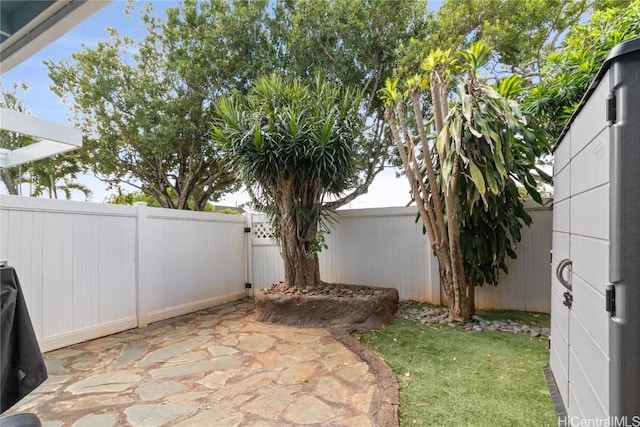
point(451, 377)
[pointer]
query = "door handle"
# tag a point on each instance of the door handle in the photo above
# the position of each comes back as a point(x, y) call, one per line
point(562, 266)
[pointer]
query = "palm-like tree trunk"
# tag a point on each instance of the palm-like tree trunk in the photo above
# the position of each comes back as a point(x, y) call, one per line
point(437, 202)
point(297, 234)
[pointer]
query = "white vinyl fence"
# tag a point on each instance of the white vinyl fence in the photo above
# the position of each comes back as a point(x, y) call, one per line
point(386, 247)
point(90, 270)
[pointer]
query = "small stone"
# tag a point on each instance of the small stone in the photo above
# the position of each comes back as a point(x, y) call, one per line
point(526, 328)
point(478, 328)
point(535, 333)
point(516, 330)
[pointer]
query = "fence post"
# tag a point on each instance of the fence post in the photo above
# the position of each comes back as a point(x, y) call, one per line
point(142, 301)
point(249, 252)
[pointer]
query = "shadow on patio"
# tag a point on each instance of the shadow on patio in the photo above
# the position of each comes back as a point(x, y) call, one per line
point(216, 367)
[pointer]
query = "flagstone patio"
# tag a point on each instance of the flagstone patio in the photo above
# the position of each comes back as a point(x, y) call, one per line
point(217, 367)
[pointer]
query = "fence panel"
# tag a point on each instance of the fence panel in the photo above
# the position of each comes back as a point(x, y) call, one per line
point(386, 248)
point(382, 248)
point(89, 270)
point(188, 261)
point(527, 286)
point(266, 262)
point(76, 263)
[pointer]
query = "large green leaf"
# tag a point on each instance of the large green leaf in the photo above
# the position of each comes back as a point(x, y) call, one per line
point(476, 177)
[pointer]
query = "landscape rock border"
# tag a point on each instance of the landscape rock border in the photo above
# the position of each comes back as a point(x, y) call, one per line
point(435, 316)
point(386, 400)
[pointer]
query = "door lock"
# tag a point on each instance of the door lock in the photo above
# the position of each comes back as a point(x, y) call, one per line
point(568, 299)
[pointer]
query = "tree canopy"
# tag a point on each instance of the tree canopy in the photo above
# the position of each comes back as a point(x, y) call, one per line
point(522, 33)
point(568, 71)
point(292, 142)
point(145, 104)
point(145, 123)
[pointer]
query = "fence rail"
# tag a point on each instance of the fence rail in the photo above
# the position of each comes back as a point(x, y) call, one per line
point(89, 270)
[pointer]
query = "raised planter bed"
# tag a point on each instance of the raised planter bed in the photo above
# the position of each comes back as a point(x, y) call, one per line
point(349, 306)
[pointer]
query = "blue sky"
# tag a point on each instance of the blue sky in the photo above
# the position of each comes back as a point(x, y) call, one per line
point(41, 102)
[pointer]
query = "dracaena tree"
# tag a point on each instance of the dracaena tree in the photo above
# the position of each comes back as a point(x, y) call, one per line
point(292, 143)
point(465, 160)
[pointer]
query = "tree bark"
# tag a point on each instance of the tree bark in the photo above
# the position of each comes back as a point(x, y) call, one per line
point(301, 265)
point(456, 285)
point(300, 271)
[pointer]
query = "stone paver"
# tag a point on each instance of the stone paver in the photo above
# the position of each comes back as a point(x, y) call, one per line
point(217, 367)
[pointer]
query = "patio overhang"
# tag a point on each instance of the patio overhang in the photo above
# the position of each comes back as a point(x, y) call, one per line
point(26, 27)
point(53, 138)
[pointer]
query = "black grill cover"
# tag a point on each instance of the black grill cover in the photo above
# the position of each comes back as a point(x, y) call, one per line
point(23, 368)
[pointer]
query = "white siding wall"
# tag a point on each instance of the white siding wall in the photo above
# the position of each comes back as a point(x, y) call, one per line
point(386, 247)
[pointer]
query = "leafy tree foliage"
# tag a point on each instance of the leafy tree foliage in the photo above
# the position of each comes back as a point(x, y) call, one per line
point(124, 198)
point(465, 182)
point(146, 104)
point(14, 176)
point(292, 142)
point(147, 118)
point(521, 32)
point(569, 71)
point(355, 44)
point(56, 175)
